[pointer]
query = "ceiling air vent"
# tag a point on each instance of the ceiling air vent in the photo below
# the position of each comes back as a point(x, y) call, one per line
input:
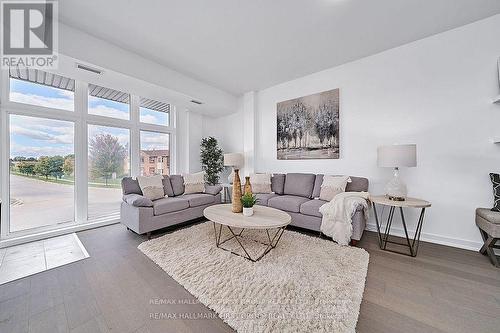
point(196, 102)
point(88, 69)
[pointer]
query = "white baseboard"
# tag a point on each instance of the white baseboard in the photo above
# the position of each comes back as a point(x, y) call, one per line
point(433, 238)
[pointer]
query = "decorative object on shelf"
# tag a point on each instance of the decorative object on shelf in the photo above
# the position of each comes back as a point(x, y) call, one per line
point(308, 127)
point(248, 200)
point(396, 156)
point(211, 159)
point(235, 160)
point(248, 186)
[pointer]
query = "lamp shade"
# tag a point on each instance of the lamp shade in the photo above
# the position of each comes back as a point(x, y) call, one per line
point(395, 156)
point(234, 160)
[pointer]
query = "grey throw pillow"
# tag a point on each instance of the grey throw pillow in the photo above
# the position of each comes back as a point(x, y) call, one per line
point(130, 186)
point(213, 189)
point(137, 200)
point(278, 183)
point(495, 179)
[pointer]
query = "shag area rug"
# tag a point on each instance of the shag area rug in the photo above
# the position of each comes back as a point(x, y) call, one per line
point(305, 284)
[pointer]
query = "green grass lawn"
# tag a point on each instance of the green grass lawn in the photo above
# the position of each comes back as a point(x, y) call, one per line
point(112, 183)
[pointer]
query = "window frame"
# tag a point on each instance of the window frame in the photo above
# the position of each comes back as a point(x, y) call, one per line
point(81, 119)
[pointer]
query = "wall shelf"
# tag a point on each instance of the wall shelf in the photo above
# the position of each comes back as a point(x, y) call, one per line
point(496, 99)
point(496, 140)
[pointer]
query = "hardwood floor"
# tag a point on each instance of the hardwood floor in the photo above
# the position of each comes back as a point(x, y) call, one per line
point(118, 289)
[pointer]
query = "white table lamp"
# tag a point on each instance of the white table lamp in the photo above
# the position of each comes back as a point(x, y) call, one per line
point(397, 156)
point(235, 161)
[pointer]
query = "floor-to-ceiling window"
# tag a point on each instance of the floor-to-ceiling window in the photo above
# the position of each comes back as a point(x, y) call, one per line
point(67, 146)
point(41, 178)
point(108, 163)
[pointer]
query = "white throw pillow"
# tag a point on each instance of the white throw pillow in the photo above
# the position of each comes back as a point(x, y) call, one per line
point(261, 182)
point(151, 186)
point(194, 183)
point(333, 185)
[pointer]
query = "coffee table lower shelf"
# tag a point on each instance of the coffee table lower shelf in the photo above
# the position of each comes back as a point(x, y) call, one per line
point(271, 244)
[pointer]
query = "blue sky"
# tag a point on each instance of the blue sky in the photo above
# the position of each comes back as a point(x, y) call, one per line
point(35, 137)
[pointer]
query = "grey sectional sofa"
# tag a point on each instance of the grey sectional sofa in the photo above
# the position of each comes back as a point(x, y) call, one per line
point(142, 215)
point(295, 193)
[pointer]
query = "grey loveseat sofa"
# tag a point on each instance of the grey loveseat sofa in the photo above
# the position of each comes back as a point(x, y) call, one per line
point(295, 193)
point(142, 215)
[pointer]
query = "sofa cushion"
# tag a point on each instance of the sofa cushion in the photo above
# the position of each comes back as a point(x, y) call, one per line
point(198, 199)
point(151, 186)
point(130, 186)
point(289, 203)
point(177, 184)
point(167, 186)
point(311, 207)
point(278, 183)
point(169, 205)
point(357, 184)
point(137, 200)
point(213, 189)
point(300, 184)
point(489, 215)
point(263, 198)
point(317, 186)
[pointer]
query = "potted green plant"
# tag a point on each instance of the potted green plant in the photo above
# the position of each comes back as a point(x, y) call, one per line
point(248, 200)
point(212, 159)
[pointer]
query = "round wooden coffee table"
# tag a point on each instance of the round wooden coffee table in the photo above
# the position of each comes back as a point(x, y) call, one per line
point(264, 218)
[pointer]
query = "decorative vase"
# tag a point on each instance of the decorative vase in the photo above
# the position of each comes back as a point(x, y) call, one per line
point(237, 206)
point(248, 186)
point(247, 211)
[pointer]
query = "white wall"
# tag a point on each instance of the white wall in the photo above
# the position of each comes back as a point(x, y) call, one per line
point(436, 93)
point(228, 130)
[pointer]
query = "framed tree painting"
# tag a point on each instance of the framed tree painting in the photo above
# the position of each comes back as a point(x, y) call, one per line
point(308, 127)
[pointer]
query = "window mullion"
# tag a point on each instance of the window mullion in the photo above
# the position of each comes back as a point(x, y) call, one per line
point(134, 136)
point(81, 156)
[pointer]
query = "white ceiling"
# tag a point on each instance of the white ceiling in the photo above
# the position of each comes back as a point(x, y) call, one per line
point(244, 45)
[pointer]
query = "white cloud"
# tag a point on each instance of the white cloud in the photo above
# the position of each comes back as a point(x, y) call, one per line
point(66, 102)
point(151, 140)
point(102, 110)
point(47, 130)
point(150, 119)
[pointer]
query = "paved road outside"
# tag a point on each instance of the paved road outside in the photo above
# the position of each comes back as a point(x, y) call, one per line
point(45, 203)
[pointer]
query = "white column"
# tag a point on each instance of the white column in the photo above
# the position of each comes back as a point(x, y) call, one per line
point(249, 113)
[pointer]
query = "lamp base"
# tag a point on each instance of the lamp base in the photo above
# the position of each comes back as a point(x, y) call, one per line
point(396, 188)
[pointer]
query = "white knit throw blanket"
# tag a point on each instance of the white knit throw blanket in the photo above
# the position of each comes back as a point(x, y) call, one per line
point(337, 215)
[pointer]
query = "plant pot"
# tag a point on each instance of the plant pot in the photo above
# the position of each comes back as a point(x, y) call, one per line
point(247, 211)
